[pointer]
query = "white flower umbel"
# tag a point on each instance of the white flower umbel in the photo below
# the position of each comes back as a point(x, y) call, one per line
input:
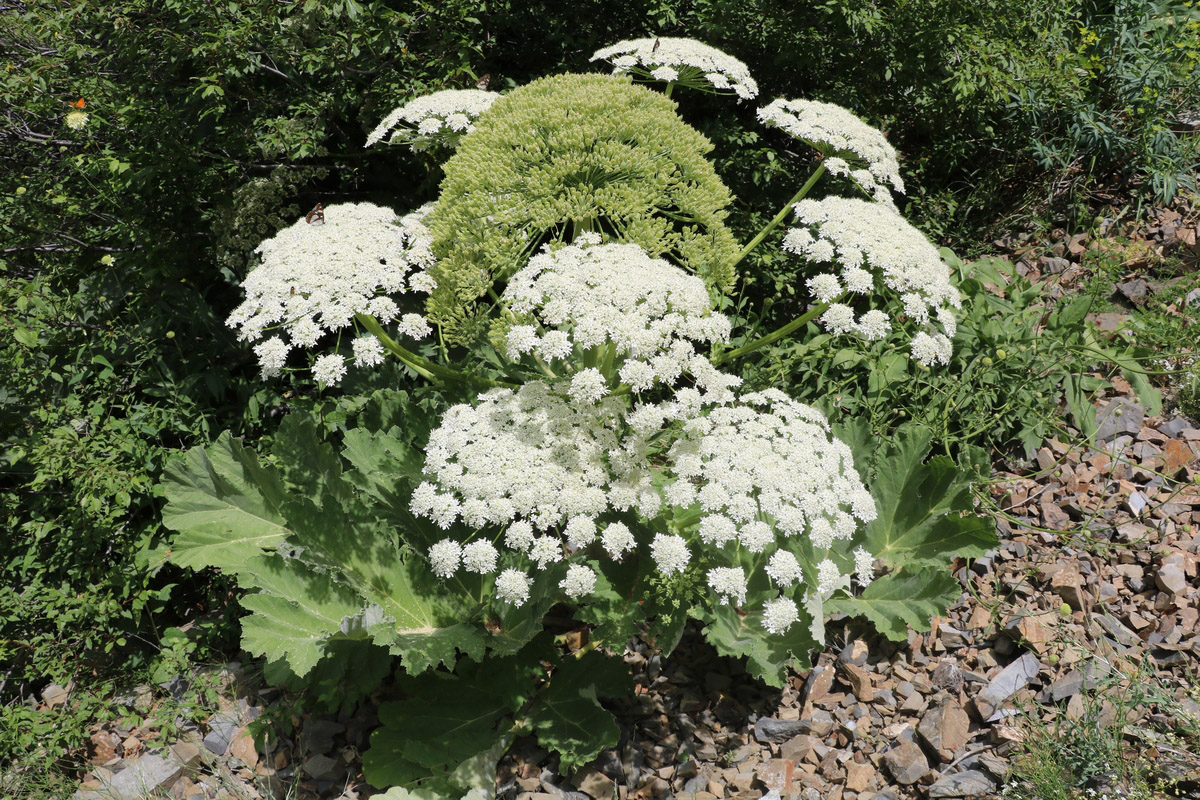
point(612, 303)
point(670, 553)
point(447, 113)
point(864, 566)
point(683, 61)
point(314, 278)
point(580, 581)
point(769, 459)
point(528, 454)
point(512, 586)
point(885, 261)
point(729, 583)
point(835, 131)
point(778, 615)
point(444, 557)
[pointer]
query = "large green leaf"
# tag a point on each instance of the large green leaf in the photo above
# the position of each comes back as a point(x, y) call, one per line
point(224, 504)
point(903, 599)
point(295, 612)
point(768, 656)
point(567, 715)
point(924, 509)
point(448, 720)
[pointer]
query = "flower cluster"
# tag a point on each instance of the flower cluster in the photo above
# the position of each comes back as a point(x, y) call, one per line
point(77, 120)
point(316, 276)
point(568, 153)
point(763, 468)
point(836, 132)
point(684, 61)
point(448, 112)
point(527, 454)
point(879, 251)
point(634, 315)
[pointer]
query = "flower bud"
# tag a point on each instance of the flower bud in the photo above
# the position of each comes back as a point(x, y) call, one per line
point(1001, 354)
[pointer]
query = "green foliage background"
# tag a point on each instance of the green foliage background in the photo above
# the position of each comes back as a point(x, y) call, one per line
point(214, 124)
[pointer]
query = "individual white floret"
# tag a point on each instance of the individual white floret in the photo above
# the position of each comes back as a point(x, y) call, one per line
point(580, 532)
point(729, 583)
point(617, 539)
point(580, 581)
point(829, 577)
point(838, 318)
point(784, 569)
point(330, 369)
point(779, 614)
point(272, 354)
point(755, 536)
point(444, 557)
point(512, 586)
point(873, 325)
point(368, 352)
point(545, 550)
point(717, 529)
point(690, 62)
point(479, 556)
point(864, 566)
point(519, 536)
point(930, 350)
point(825, 287)
point(670, 553)
point(588, 386)
point(414, 326)
point(834, 130)
point(457, 108)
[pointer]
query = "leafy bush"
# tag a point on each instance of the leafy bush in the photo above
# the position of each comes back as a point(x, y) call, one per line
point(608, 469)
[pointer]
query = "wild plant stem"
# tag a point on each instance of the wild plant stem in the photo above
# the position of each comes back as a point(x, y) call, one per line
point(422, 366)
point(783, 212)
point(772, 337)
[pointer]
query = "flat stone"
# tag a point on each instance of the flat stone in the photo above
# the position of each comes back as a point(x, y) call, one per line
point(945, 729)
point(1068, 584)
point(596, 784)
point(1119, 416)
point(859, 776)
point(861, 682)
point(187, 754)
point(855, 652)
point(1135, 291)
point(1015, 676)
point(963, 784)
point(906, 763)
point(142, 779)
point(1171, 579)
point(318, 735)
point(799, 748)
point(319, 765)
point(1176, 455)
point(221, 728)
point(243, 748)
point(54, 695)
point(769, 729)
point(1174, 426)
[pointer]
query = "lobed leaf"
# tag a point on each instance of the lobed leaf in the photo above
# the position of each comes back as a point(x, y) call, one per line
point(901, 599)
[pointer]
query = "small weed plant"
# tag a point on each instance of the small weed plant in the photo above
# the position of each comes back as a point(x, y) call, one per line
point(562, 419)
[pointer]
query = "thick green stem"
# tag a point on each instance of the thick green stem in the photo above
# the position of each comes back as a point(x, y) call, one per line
point(774, 336)
point(796, 198)
point(422, 366)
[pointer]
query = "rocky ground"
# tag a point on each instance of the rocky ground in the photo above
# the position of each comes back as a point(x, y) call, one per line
point(1093, 596)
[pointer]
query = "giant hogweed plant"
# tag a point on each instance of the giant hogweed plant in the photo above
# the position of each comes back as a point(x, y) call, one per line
point(576, 439)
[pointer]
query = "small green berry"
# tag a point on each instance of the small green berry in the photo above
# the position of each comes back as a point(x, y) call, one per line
point(1065, 610)
point(170, 334)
